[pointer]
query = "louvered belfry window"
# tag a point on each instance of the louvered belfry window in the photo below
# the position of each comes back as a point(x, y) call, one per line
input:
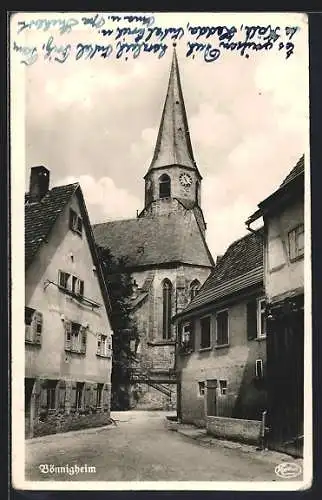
point(167, 305)
point(164, 186)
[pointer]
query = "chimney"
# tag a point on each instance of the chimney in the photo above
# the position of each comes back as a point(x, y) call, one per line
point(219, 257)
point(39, 183)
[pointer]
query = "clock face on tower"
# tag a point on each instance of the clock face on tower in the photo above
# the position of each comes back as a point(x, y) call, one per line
point(185, 180)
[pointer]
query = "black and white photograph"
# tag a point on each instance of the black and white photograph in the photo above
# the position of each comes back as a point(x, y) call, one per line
point(160, 189)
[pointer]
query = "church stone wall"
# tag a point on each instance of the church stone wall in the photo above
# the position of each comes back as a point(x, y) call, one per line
point(155, 353)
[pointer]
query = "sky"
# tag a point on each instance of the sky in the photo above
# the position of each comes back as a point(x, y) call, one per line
point(95, 121)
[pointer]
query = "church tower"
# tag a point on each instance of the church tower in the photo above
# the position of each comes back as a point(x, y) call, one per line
point(165, 251)
point(173, 175)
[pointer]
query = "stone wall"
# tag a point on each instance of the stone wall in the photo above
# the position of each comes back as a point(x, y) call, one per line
point(155, 353)
point(63, 415)
point(145, 397)
point(63, 422)
point(245, 431)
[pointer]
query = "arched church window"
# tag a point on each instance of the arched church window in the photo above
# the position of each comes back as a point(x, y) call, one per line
point(194, 287)
point(167, 307)
point(164, 186)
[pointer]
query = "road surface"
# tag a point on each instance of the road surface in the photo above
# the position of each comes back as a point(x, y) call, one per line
point(139, 448)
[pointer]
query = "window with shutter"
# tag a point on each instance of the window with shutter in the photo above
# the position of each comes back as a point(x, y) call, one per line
point(222, 328)
point(102, 346)
point(64, 280)
point(38, 321)
point(51, 394)
point(88, 388)
point(73, 395)
point(187, 335)
point(99, 391)
point(61, 394)
point(251, 319)
point(205, 326)
point(296, 242)
point(79, 401)
point(29, 316)
point(106, 397)
point(75, 222)
point(68, 335)
point(43, 395)
point(83, 336)
point(71, 284)
point(33, 325)
point(261, 318)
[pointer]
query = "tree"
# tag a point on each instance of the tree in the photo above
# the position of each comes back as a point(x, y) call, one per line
point(120, 287)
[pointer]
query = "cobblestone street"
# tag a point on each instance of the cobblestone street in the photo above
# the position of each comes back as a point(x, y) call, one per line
point(141, 448)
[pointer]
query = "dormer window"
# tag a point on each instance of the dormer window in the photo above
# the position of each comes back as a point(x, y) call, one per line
point(75, 222)
point(164, 186)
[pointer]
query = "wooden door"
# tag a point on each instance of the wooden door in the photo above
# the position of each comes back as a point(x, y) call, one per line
point(211, 398)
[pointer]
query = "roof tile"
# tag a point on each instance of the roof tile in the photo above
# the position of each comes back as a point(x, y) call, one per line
point(155, 240)
point(240, 267)
point(41, 216)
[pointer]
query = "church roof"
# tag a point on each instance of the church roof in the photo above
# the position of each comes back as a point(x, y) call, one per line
point(155, 240)
point(173, 146)
point(239, 268)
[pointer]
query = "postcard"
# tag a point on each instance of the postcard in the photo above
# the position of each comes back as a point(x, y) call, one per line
point(160, 176)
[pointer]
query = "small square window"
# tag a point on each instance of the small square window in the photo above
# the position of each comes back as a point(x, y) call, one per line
point(201, 388)
point(223, 387)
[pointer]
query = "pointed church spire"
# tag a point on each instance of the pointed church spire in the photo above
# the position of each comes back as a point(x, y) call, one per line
point(173, 146)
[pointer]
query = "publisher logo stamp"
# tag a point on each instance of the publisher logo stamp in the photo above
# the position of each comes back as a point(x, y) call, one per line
point(288, 470)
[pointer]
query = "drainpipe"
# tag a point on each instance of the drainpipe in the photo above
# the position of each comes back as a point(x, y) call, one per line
point(263, 431)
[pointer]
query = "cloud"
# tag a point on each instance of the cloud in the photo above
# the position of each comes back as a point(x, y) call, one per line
point(104, 200)
point(96, 121)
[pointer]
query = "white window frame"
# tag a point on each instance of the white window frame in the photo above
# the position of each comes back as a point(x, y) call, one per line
point(294, 251)
point(33, 331)
point(186, 330)
point(260, 361)
point(222, 387)
point(201, 348)
point(103, 346)
point(260, 301)
point(74, 219)
point(68, 281)
point(201, 384)
point(228, 333)
point(74, 283)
